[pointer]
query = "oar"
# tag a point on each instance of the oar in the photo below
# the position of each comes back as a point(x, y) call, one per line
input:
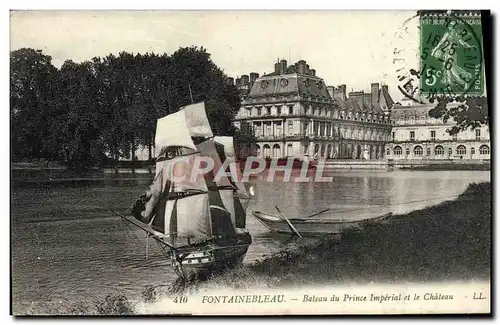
point(315, 214)
point(288, 222)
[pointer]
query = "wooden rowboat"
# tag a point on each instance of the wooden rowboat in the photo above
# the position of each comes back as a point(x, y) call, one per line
point(312, 226)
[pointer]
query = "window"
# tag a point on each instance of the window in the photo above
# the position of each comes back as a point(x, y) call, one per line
point(388, 151)
point(417, 151)
point(290, 125)
point(268, 110)
point(259, 111)
point(398, 151)
point(439, 151)
point(428, 151)
point(393, 136)
point(450, 152)
point(433, 135)
point(407, 151)
point(472, 150)
point(478, 134)
point(278, 110)
point(412, 135)
point(461, 150)
point(249, 111)
point(290, 110)
point(484, 150)
point(454, 137)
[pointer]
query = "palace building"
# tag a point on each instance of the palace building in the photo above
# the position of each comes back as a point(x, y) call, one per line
point(293, 113)
point(416, 136)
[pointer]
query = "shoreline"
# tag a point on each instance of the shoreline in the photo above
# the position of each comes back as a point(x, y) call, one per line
point(447, 242)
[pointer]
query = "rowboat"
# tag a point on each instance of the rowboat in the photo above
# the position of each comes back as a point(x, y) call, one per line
point(281, 224)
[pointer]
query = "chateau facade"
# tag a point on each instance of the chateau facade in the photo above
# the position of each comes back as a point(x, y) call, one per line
point(416, 136)
point(293, 113)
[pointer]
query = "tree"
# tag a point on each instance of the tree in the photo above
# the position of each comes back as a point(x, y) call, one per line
point(32, 77)
point(106, 107)
point(192, 67)
point(467, 112)
point(78, 126)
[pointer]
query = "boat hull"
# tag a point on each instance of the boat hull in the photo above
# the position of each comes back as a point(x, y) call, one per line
point(216, 255)
point(312, 226)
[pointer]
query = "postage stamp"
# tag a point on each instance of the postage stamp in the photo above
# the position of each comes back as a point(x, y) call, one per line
point(209, 163)
point(451, 54)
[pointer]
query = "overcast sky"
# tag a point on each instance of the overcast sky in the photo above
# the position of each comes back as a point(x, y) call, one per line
point(345, 47)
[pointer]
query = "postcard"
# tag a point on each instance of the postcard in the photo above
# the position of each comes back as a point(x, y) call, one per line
point(250, 162)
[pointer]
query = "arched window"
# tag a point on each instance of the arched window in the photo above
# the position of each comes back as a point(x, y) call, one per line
point(439, 151)
point(398, 151)
point(461, 150)
point(484, 150)
point(417, 151)
point(472, 150)
point(267, 151)
point(388, 151)
point(276, 151)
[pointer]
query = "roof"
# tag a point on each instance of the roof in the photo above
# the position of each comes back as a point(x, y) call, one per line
point(385, 98)
point(293, 83)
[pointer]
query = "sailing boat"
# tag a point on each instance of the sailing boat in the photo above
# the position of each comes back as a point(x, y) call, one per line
point(199, 222)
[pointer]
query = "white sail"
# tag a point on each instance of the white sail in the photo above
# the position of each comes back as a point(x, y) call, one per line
point(197, 120)
point(172, 130)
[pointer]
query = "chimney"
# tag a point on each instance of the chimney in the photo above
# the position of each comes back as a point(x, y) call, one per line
point(238, 83)
point(230, 80)
point(253, 77)
point(367, 98)
point(307, 68)
point(283, 66)
point(340, 92)
point(375, 92)
point(244, 80)
point(277, 67)
point(301, 67)
point(358, 96)
point(313, 72)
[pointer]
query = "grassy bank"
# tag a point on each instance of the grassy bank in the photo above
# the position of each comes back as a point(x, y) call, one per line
point(449, 241)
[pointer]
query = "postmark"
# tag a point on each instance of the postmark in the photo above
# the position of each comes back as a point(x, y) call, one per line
point(450, 60)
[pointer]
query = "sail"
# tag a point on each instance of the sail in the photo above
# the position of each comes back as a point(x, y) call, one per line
point(197, 120)
point(172, 130)
point(221, 191)
point(226, 151)
point(230, 155)
point(183, 207)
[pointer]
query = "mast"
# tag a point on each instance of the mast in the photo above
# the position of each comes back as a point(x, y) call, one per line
point(241, 196)
point(220, 190)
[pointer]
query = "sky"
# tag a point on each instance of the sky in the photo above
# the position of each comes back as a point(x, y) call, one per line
point(344, 47)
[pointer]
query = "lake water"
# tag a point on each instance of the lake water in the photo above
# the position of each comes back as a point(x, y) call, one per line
point(68, 247)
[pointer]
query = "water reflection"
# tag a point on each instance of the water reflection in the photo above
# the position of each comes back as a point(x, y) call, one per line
point(67, 246)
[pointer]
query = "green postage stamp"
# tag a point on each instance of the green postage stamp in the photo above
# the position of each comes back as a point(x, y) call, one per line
point(451, 54)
